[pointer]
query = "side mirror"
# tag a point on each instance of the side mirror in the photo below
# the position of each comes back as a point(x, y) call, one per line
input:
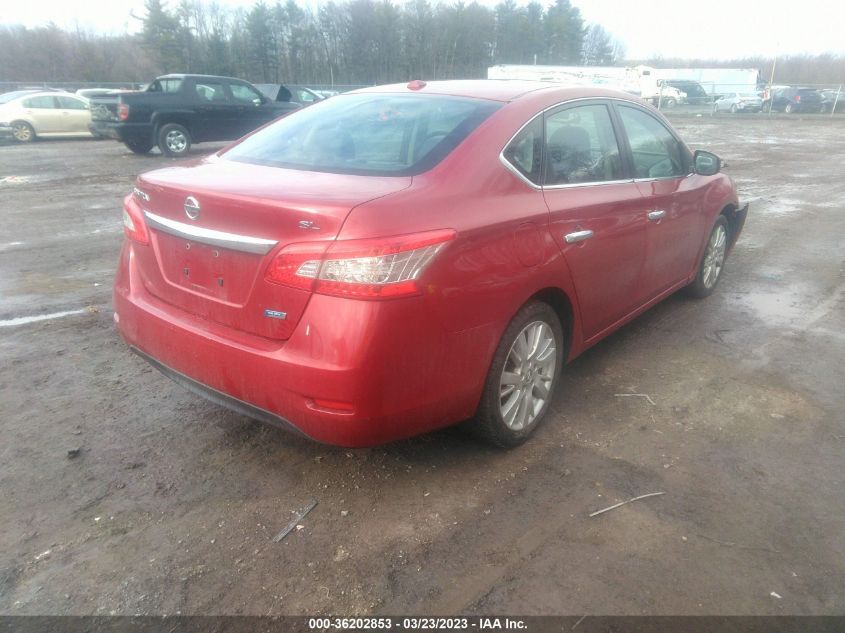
point(706, 163)
point(257, 101)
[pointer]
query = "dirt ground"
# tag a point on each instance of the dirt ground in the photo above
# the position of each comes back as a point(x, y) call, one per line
point(171, 504)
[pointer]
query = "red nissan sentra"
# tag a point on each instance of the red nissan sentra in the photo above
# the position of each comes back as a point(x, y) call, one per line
point(402, 258)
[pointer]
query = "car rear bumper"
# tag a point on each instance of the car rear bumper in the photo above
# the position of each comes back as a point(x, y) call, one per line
point(5, 131)
point(350, 374)
point(123, 132)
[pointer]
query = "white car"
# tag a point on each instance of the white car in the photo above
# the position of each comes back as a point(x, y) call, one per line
point(30, 114)
point(738, 102)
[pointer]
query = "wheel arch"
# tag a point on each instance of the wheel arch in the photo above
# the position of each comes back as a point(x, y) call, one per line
point(729, 211)
point(30, 123)
point(166, 119)
point(561, 303)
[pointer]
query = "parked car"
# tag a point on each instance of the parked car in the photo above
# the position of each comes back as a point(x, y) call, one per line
point(30, 114)
point(791, 100)
point(694, 92)
point(401, 258)
point(833, 99)
point(289, 93)
point(304, 96)
point(738, 102)
point(178, 110)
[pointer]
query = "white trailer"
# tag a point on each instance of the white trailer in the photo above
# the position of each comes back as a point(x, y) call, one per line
point(638, 80)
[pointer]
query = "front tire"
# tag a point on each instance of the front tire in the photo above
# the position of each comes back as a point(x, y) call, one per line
point(713, 261)
point(522, 378)
point(23, 132)
point(174, 140)
point(734, 108)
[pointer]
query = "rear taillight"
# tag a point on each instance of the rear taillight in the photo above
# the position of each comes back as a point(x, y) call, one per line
point(133, 221)
point(122, 111)
point(797, 98)
point(364, 269)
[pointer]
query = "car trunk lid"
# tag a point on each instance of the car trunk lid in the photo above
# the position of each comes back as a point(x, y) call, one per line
point(216, 225)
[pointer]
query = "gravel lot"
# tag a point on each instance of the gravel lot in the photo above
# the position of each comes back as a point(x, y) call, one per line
point(171, 504)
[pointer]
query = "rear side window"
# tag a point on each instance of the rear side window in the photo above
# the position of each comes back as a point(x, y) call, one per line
point(42, 103)
point(69, 103)
point(525, 151)
point(581, 146)
point(370, 134)
point(655, 152)
point(165, 85)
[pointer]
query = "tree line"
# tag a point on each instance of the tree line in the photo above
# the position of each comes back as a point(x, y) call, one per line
point(342, 42)
point(345, 42)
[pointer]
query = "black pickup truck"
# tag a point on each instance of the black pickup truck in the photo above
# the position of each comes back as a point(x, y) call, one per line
point(177, 110)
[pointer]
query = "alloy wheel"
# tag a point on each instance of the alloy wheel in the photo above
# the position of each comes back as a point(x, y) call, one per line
point(528, 374)
point(714, 258)
point(22, 132)
point(176, 141)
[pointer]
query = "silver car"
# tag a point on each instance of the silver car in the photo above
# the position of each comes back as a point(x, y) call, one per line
point(738, 102)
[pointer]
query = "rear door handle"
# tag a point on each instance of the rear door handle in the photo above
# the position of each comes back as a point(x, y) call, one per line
point(577, 236)
point(656, 215)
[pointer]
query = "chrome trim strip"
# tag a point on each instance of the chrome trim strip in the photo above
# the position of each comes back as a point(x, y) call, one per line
point(233, 241)
point(569, 185)
point(510, 166)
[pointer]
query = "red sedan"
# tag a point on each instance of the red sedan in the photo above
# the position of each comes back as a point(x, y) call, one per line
point(399, 259)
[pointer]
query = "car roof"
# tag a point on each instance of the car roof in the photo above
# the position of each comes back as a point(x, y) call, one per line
point(192, 75)
point(499, 89)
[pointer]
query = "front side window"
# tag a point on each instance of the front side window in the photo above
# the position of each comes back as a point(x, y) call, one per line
point(305, 96)
point(369, 134)
point(655, 152)
point(581, 146)
point(41, 103)
point(525, 151)
point(242, 92)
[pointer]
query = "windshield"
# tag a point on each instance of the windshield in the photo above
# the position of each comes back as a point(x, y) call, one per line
point(371, 134)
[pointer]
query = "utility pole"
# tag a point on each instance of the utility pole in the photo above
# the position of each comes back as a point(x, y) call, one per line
point(772, 80)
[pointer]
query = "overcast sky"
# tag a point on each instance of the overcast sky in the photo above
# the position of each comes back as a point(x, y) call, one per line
point(671, 28)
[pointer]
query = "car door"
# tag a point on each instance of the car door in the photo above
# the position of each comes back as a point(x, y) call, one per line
point(662, 169)
point(45, 114)
point(597, 213)
point(253, 109)
point(216, 117)
point(75, 114)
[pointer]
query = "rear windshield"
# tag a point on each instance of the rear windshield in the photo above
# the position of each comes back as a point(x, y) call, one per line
point(370, 134)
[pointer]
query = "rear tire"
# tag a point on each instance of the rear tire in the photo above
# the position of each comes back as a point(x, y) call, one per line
point(522, 378)
point(733, 108)
point(712, 262)
point(789, 109)
point(174, 140)
point(23, 132)
point(139, 147)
